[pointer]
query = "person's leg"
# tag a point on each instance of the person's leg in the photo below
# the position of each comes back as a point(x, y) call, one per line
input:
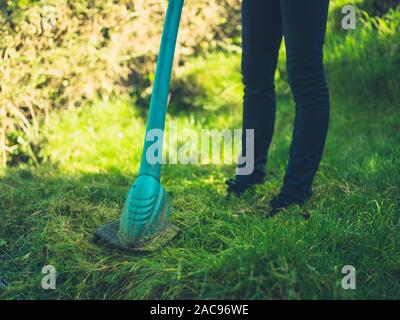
point(262, 37)
point(304, 26)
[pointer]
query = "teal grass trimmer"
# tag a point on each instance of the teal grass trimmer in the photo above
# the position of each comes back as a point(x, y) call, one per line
point(144, 225)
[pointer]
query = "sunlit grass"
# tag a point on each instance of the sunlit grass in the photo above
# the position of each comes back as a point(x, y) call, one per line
point(226, 248)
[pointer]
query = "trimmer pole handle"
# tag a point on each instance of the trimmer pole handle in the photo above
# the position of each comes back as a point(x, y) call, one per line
point(159, 98)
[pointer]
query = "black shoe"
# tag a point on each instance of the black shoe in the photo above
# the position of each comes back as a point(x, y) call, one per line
point(277, 204)
point(240, 184)
point(282, 202)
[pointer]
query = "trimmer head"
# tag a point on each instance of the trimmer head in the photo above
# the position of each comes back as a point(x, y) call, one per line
point(144, 225)
point(109, 235)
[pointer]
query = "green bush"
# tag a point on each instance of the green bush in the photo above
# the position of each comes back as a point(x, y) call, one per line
point(373, 8)
point(336, 15)
point(62, 54)
point(364, 64)
point(379, 7)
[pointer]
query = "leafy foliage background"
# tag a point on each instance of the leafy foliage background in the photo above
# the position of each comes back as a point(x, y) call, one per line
point(95, 48)
point(57, 54)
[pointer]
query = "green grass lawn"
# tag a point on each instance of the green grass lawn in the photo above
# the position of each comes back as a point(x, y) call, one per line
point(226, 249)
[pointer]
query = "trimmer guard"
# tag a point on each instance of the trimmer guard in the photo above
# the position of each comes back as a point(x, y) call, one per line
point(108, 235)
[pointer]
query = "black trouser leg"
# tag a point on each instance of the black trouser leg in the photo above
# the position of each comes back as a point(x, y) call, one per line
point(304, 25)
point(262, 37)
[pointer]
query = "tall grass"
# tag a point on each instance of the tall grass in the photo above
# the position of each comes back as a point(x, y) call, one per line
point(363, 63)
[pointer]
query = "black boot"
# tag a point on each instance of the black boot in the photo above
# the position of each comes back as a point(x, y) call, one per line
point(240, 184)
point(282, 202)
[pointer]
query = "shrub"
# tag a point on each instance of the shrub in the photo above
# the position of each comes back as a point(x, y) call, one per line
point(379, 7)
point(364, 65)
point(374, 8)
point(61, 54)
